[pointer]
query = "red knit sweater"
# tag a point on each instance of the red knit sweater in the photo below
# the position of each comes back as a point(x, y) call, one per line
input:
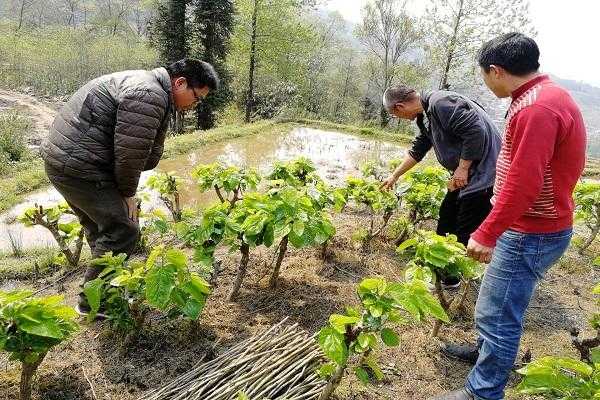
point(541, 159)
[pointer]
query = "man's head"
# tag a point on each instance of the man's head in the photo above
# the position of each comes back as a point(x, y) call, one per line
point(403, 102)
point(507, 60)
point(191, 80)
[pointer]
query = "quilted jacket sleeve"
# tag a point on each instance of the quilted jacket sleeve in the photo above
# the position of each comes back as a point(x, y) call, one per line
point(139, 117)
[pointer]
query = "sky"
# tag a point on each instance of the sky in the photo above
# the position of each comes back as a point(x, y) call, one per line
point(568, 34)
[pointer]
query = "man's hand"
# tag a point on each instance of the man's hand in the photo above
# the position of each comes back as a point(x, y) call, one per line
point(389, 183)
point(451, 185)
point(132, 213)
point(479, 252)
point(460, 177)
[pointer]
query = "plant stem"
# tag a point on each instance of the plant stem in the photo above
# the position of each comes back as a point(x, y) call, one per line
point(334, 381)
point(282, 250)
point(27, 372)
point(443, 302)
point(219, 195)
point(595, 231)
point(245, 250)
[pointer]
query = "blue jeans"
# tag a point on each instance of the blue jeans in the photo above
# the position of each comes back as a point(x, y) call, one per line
point(519, 261)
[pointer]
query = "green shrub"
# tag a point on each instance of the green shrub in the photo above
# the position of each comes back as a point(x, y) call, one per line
point(70, 57)
point(30, 327)
point(13, 136)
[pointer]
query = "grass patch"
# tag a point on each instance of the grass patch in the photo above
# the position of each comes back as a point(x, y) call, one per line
point(182, 144)
point(366, 131)
point(13, 137)
point(19, 180)
point(592, 168)
point(31, 264)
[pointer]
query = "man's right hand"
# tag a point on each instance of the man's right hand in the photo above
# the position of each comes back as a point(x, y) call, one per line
point(131, 208)
point(389, 183)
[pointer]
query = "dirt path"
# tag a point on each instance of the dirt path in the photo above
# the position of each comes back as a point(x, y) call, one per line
point(41, 114)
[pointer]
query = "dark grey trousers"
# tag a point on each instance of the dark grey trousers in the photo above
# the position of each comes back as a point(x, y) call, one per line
point(103, 214)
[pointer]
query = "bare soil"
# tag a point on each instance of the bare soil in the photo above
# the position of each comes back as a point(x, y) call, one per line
point(97, 365)
point(41, 113)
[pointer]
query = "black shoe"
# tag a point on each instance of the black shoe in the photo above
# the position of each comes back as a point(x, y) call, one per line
point(463, 352)
point(461, 394)
point(83, 308)
point(449, 283)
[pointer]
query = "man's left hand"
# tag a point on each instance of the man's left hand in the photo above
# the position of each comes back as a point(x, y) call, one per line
point(460, 177)
point(479, 252)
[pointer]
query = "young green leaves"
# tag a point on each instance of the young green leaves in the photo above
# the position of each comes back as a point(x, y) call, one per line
point(126, 291)
point(423, 191)
point(30, 327)
point(441, 254)
point(229, 182)
point(168, 185)
point(359, 331)
point(587, 209)
point(67, 233)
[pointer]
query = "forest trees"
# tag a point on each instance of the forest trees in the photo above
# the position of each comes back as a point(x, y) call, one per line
point(204, 36)
point(388, 33)
point(457, 28)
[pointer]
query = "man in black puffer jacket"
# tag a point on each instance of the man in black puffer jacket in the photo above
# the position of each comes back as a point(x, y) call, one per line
point(109, 131)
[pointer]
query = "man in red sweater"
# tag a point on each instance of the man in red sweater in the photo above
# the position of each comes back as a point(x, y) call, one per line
point(530, 225)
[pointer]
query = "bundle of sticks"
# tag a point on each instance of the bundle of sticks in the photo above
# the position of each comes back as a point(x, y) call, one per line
point(277, 364)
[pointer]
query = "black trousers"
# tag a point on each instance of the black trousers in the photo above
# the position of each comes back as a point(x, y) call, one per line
point(103, 214)
point(463, 216)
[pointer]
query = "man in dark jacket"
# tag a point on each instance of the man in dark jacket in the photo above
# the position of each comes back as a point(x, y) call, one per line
point(466, 142)
point(109, 131)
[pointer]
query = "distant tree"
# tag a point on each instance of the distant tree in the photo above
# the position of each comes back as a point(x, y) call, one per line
point(456, 30)
point(167, 30)
point(213, 25)
point(270, 52)
point(168, 36)
point(388, 33)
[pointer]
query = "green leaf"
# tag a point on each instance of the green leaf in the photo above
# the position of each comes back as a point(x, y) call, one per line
point(242, 396)
point(366, 341)
point(326, 370)
point(93, 293)
point(595, 355)
point(295, 240)
point(197, 287)
point(339, 322)
point(406, 244)
point(45, 327)
point(298, 227)
point(371, 285)
point(333, 345)
point(177, 258)
point(269, 235)
point(362, 375)
point(353, 312)
point(160, 281)
point(390, 337)
point(161, 226)
point(193, 308)
point(374, 366)
point(202, 257)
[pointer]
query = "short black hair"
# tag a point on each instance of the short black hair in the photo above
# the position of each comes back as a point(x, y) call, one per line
point(518, 54)
point(197, 73)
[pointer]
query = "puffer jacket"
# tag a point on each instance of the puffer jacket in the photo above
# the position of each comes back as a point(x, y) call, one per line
point(112, 129)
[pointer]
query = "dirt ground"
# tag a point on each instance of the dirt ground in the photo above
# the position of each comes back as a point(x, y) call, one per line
point(41, 113)
point(95, 365)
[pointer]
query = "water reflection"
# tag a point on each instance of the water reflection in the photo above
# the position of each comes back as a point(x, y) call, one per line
point(336, 156)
